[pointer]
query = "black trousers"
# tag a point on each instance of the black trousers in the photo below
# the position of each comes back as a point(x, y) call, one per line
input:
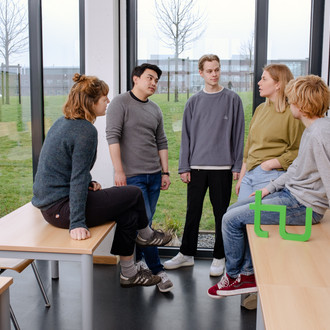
point(124, 205)
point(219, 183)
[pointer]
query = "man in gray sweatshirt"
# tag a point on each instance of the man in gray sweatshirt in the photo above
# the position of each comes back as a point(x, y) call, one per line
point(139, 151)
point(210, 157)
point(305, 184)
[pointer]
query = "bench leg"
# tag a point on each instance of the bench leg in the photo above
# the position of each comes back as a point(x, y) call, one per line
point(87, 291)
point(41, 286)
point(13, 318)
point(54, 269)
point(4, 311)
point(260, 319)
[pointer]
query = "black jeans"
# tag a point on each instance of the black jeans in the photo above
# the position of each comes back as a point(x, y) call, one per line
point(124, 205)
point(219, 183)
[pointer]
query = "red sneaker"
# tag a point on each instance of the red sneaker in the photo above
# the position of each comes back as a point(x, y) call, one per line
point(242, 284)
point(224, 282)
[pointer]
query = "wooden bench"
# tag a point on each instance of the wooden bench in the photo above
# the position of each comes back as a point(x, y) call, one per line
point(24, 234)
point(292, 278)
point(5, 282)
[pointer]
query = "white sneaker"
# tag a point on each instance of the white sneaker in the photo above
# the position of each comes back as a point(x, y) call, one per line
point(178, 261)
point(217, 267)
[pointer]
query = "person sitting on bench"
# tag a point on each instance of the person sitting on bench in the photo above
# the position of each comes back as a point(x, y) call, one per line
point(305, 184)
point(68, 198)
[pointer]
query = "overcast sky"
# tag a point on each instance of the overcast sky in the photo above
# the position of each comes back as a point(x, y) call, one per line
point(229, 23)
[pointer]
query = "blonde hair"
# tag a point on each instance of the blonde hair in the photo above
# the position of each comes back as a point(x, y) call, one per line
point(84, 94)
point(310, 94)
point(207, 58)
point(281, 74)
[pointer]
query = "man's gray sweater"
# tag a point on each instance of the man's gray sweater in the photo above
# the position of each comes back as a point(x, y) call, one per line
point(138, 128)
point(212, 131)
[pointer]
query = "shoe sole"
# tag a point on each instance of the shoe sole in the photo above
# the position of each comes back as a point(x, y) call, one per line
point(184, 264)
point(165, 290)
point(217, 274)
point(215, 297)
point(237, 291)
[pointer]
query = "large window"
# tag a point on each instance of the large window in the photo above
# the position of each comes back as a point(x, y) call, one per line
point(60, 22)
point(15, 118)
point(225, 28)
point(293, 49)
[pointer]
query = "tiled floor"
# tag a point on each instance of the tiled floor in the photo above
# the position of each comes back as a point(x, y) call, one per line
point(187, 306)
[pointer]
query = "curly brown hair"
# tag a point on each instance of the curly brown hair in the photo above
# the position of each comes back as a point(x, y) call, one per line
point(84, 94)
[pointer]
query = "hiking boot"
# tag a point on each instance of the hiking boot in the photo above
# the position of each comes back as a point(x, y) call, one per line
point(217, 267)
point(159, 238)
point(233, 286)
point(178, 261)
point(143, 277)
point(165, 284)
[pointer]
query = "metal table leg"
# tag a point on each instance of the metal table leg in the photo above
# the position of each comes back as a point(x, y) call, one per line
point(87, 291)
point(260, 319)
point(4, 311)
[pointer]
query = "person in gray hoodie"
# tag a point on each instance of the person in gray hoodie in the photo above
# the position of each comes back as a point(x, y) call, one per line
point(210, 157)
point(305, 184)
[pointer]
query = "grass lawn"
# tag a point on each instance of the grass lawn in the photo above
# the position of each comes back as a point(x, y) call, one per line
point(16, 155)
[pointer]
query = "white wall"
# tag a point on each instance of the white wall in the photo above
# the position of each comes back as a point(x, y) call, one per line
point(101, 60)
point(326, 42)
point(101, 21)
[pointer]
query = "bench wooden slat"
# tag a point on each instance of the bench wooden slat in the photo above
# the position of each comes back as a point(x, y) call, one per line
point(293, 277)
point(295, 307)
point(16, 234)
point(18, 265)
point(5, 282)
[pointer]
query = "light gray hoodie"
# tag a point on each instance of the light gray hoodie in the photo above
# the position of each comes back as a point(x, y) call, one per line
point(308, 178)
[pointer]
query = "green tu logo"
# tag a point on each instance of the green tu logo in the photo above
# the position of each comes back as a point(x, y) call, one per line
point(281, 209)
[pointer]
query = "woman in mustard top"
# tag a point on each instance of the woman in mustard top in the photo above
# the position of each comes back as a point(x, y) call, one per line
point(274, 135)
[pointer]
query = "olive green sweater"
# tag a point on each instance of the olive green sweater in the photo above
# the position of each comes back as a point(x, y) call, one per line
point(272, 134)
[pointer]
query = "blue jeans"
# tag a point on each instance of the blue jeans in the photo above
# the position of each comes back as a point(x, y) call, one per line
point(237, 250)
point(150, 186)
point(256, 179)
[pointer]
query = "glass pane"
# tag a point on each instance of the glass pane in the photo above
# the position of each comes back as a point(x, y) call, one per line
point(293, 50)
point(15, 118)
point(224, 28)
point(60, 21)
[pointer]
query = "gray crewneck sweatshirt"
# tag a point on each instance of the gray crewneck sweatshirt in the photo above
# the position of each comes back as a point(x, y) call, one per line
point(138, 128)
point(308, 178)
point(212, 131)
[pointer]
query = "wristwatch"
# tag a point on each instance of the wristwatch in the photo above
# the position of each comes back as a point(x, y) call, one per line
point(166, 173)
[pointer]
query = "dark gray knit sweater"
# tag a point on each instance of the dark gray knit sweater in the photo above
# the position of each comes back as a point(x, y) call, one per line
point(66, 158)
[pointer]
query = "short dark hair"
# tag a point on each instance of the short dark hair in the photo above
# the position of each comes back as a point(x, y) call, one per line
point(138, 70)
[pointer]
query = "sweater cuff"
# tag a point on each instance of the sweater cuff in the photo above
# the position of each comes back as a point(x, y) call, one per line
point(270, 187)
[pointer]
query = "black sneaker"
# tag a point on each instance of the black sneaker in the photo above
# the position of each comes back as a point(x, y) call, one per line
point(159, 238)
point(143, 277)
